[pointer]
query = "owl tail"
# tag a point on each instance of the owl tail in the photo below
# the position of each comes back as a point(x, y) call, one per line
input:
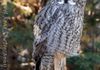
point(55, 62)
point(47, 63)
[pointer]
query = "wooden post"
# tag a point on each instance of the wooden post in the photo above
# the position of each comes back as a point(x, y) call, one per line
point(60, 61)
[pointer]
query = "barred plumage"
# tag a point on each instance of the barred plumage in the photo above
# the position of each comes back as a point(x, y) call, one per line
point(58, 28)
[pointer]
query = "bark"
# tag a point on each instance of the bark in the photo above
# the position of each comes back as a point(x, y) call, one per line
point(3, 43)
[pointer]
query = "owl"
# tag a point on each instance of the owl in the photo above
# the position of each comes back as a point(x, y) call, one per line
point(57, 31)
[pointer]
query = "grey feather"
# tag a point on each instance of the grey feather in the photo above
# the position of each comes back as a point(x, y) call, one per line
point(58, 27)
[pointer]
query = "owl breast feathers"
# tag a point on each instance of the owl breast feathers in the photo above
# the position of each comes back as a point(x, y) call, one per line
point(58, 28)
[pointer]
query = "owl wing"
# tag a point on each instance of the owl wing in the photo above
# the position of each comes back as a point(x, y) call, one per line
point(43, 22)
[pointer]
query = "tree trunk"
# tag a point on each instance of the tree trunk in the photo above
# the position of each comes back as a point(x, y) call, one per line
point(3, 43)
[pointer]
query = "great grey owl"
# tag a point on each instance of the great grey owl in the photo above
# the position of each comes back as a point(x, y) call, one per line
point(58, 27)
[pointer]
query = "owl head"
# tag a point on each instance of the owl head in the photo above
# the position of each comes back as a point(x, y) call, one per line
point(71, 2)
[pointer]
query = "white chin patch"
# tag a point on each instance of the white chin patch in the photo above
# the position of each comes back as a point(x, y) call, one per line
point(62, 2)
point(71, 2)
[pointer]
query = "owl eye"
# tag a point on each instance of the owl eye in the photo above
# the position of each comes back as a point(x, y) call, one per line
point(65, 1)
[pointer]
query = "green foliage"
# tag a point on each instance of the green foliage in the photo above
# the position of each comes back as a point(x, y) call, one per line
point(91, 56)
point(97, 44)
point(10, 8)
point(0, 29)
point(21, 36)
point(85, 62)
point(92, 13)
